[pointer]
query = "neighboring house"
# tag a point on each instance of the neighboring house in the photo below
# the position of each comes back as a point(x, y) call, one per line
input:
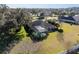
point(51, 18)
point(70, 19)
point(76, 18)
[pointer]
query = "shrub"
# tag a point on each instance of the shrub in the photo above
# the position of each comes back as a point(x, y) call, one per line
point(60, 30)
point(22, 33)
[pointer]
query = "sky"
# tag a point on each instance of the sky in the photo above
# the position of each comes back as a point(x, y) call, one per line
point(42, 5)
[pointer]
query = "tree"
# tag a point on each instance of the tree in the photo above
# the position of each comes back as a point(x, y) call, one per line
point(72, 14)
point(3, 7)
point(41, 16)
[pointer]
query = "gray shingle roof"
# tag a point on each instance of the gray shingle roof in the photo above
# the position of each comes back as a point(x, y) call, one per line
point(41, 26)
point(76, 18)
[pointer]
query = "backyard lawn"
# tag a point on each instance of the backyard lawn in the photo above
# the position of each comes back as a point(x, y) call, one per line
point(55, 42)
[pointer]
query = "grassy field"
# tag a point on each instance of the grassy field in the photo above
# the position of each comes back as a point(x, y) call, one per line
point(71, 34)
point(55, 42)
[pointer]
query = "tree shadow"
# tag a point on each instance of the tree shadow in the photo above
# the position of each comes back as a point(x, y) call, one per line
point(34, 39)
point(60, 37)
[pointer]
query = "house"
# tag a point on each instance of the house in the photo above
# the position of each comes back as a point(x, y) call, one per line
point(70, 19)
point(40, 28)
